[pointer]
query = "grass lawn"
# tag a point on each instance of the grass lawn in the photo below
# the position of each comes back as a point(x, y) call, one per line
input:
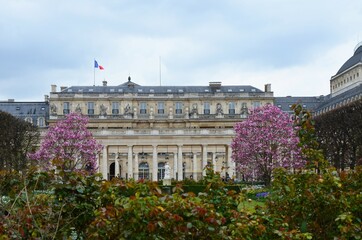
point(249, 206)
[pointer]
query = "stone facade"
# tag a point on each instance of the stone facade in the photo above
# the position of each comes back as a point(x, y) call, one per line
point(143, 127)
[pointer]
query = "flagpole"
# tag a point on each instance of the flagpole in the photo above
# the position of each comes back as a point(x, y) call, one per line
point(94, 73)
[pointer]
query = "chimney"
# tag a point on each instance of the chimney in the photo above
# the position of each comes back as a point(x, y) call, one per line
point(54, 88)
point(62, 88)
point(268, 87)
point(46, 98)
point(11, 100)
point(214, 86)
point(104, 83)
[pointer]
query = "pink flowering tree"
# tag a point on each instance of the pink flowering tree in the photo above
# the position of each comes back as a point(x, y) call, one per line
point(266, 140)
point(69, 146)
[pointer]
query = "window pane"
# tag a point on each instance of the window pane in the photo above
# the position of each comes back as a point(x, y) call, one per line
point(161, 108)
point(206, 108)
point(178, 108)
point(232, 108)
point(256, 104)
point(143, 108)
point(66, 108)
point(41, 122)
point(231, 111)
point(90, 108)
point(115, 108)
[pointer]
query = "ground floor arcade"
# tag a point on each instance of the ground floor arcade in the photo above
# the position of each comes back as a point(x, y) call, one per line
point(148, 161)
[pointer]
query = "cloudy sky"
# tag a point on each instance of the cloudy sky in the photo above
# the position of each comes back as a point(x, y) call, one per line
point(294, 45)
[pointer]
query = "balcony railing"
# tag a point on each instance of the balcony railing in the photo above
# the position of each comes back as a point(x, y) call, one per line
point(164, 132)
point(92, 115)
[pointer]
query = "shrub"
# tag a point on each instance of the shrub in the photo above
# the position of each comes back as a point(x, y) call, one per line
point(326, 205)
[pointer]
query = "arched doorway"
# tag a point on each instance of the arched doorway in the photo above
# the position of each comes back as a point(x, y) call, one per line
point(112, 171)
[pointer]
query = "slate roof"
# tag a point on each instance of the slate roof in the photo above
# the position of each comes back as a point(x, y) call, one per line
point(352, 61)
point(310, 103)
point(26, 109)
point(131, 87)
point(332, 101)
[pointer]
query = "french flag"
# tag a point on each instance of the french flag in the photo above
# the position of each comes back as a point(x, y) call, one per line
point(96, 65)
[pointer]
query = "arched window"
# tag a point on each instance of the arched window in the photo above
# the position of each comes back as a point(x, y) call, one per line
point(161, 171)
point(143, 170)
point(29, 119)
point(41, 122)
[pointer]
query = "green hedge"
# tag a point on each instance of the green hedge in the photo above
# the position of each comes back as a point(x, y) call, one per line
point(300, 206)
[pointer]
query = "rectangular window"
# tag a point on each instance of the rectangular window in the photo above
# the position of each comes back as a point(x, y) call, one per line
point(231, 107)
point(206, 108)
point(115, 108)
point(66, 108)
point(90, 108)
point(178, 108)
point(256, 104)
point(160, 107)
point(143, 108)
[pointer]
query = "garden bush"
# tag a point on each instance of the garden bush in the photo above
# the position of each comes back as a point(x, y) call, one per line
point(40, 205)
point(78, 206)
point(328, 205)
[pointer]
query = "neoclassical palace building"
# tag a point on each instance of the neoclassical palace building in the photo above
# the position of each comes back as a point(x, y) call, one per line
point(144, 127)
point(188, 127)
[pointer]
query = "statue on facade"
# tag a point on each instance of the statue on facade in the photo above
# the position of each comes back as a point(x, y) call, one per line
point(127, 110)
point(167, 171)
point(102, 110)
point(244, 110)
point(78, 109)
point(219, 110)
point(194, 111)
point(53, 109)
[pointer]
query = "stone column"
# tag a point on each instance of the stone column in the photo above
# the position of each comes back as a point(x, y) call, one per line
point(204, 159)
point(195, 167)
point(174, 165)
point(136, 166)
point(214, 161)
point(230, 163)
point(105, 163)
point(154, 163)
point(179, 163)
point(98, 164)
point(116, 165)
point(130, 161)
point(135, 116)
